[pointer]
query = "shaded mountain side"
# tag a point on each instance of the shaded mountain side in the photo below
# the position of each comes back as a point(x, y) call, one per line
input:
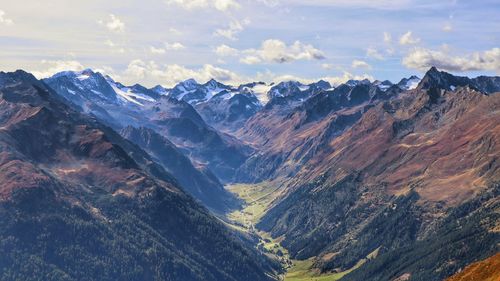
point(393, 179)
point(79, 202)
point(485, 270)
point(228, 112)
point(468, 233)
point(288, 135)
point(221, 153)
point(119, 106)
point(199, 182)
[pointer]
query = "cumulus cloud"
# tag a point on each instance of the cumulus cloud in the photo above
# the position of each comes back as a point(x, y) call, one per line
point(172, 74)
point(157, 51)
point(360, 64)
point(268, 76)
point(250, 60)
point(232, 30)
point(422, 59)
point(276, 51)
point(408, 39)
point(50, 67)
point(221, 5)
point(167, 47)
point(224, 5)
point(113, 23)
point(4, 20)
point(374, 54)
point(226, 51)
point(176, 46)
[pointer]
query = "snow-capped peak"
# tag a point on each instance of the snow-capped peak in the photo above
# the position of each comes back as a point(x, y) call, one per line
point(409, 83)
point(189, 84)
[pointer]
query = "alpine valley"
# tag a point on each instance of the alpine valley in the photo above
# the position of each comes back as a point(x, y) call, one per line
point(364, 180)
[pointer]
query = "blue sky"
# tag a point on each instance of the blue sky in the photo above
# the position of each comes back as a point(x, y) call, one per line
point(234, 41)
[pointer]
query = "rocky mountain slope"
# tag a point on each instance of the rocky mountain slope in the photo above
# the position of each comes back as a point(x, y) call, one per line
point(289, 131)
point(79, 202)
point(413, 180)
point(485, 270)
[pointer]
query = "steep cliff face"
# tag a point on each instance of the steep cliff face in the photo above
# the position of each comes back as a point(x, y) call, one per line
point(79, 202)
point(198, 182)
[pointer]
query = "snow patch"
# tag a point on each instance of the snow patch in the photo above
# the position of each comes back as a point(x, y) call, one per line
point(126, 96)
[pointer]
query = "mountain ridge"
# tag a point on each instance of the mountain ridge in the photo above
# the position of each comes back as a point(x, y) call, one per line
point(375, 180)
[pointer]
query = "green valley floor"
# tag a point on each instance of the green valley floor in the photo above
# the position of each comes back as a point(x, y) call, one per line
point(257, 198)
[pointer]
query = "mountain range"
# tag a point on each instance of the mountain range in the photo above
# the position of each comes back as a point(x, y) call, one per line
point(374, 180)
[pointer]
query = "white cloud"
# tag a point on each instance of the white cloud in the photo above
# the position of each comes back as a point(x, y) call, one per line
point(270, 77)
point(157, 51)
point(408, 39)
point(168, 47)
point(447, 27)
point(176, 46)
point(374, 54)
point(189, 4)
point(115, 47)
point(387, 37)
point(379, 4)
point(113, 24)
point(334, 80)
point(221, 5)
point(172, 74)
point(4, 19)
point(109, 43)
point(270, 3)
point(360, 64)
point(225, 51)
point(276, 51)
point(422, 59)
point(233, 29)
point(174, 31)
point(224, 5)
point(327, 66)
point(250, 60)
point(51, 67)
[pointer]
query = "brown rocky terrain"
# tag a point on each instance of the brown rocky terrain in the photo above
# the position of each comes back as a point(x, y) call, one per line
point(486, 270)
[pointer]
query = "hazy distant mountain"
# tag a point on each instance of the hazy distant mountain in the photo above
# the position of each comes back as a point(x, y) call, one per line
point(200, 183)
point(228, 111)
point(121, 106)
